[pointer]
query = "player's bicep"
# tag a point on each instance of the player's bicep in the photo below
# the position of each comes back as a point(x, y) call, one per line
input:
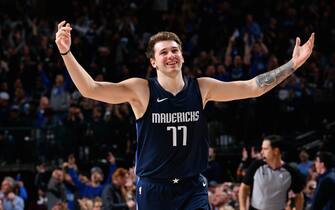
point(215, 90)
point(115, 93)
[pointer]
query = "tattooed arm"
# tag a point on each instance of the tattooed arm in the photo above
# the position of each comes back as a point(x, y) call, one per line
point(268, 80)
point(214, 90)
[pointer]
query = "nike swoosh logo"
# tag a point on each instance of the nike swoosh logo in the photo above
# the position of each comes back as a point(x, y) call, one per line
point(161, 100)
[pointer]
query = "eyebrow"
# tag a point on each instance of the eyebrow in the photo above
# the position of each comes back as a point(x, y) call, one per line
point(168, 48)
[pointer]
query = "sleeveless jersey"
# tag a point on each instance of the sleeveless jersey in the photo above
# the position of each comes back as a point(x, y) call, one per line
point(172, 135)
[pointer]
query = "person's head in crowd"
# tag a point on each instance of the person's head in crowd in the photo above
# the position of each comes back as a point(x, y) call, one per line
point(60, 206)
point(303, 156)
point(97, 203)
point(19, 94)
point(120, 177)
point(238, 62)
point(74, 111)
point(8, 185)
point(272, 147)
point(210, 71)
point(220, 197)
point(211, 154)
point(4, 98)
point(97, 175)
point(44, 102)
point(324, 161)
point(96, 113)
point(58, 175)
point(59, 80)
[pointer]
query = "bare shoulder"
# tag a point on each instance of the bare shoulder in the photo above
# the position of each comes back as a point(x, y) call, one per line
point(204, 83)
point(140, 89)
point(205, 80)
point(138, 82)
point(135, 84)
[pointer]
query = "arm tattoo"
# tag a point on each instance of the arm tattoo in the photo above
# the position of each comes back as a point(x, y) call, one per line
point(274, 77)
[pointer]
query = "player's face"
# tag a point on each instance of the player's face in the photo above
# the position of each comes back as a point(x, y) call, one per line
point(167, 57)
point(267, 151)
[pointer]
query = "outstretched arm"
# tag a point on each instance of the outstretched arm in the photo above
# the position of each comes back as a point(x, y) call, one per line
point(214, 90)
point(134, 91)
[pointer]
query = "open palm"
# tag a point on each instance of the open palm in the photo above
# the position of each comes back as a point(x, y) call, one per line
point(302, 53)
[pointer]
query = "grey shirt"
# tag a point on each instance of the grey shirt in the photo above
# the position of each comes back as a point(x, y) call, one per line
point(270, 187)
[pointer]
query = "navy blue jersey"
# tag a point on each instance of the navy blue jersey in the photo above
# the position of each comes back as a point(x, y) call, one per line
point(172, 136)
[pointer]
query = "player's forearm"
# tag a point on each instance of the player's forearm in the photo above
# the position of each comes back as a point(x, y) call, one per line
point(269, 80)
point(79, 76)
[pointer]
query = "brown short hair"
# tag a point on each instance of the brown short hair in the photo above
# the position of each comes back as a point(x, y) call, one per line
point(120, 172)
point(161, 36)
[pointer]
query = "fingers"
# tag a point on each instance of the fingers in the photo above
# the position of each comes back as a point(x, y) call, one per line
point(63, 34)
point(311, 39)
point(66, 28)
point(63, 31)
point(297, 41)
point(61, 24)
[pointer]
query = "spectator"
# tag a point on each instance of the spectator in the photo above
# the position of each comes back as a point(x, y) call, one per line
point(60, 98)
point(56, 189)
point(94, 187)
point(324, 197)
point(114, 196)
point(10, 201)
point(59, 206)
point(305, 164)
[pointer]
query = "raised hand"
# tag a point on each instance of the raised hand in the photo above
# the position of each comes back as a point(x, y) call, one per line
point(63, 37)
point(302, 53)
point(244, 154)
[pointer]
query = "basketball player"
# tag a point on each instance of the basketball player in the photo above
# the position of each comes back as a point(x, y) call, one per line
point(172, 144)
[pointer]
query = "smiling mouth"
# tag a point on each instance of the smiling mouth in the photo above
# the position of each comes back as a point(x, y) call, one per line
point(171, 63)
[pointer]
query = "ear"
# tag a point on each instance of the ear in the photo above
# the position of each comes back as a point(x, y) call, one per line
point(153, 62)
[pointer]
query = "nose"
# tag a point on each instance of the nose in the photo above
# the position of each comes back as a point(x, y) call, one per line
point(170, 55)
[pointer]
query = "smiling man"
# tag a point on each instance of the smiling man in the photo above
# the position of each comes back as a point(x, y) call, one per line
point(172, 137)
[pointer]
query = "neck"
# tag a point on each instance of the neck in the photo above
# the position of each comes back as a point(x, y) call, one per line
point(95, 184)
point(172, 84)
point(275, 163)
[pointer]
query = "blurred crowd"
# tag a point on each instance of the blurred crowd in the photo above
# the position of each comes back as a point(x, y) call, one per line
point(43, 118)
point(109, 186)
